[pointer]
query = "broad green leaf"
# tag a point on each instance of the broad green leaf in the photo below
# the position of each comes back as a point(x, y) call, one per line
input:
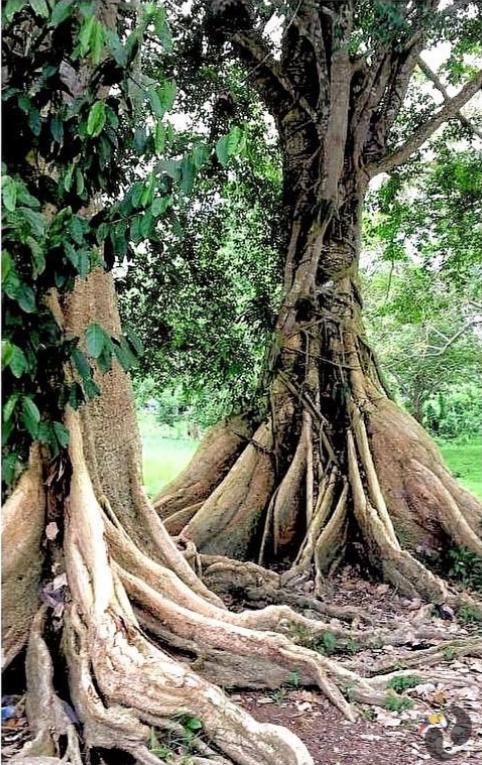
point(188, 172)
point(162, 29)
point(134, 341)
point(85, 34)
point(81, 364)
point(61, 11)
point(9, 193)
point(7, 353)
point(155, 102)
point(97, 42)
point(18, 361)
point(61, 434)
point(6, 264)
point(30, 415)
point(12, 7)
point(159, 138)
point(9, 406)
point(119, 54)
point(167, 94)
point(95, 338)
point(96, 119)
point(228, 145)
point(200, 155)
point(25, 297)
point(40, 7)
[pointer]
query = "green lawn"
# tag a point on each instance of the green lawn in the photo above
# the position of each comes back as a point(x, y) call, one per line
point(465, 462)
point(165, 457)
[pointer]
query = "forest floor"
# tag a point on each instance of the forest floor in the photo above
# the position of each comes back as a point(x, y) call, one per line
point(381, 736)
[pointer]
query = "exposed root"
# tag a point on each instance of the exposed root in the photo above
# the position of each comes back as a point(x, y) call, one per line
point(444, 652)
point(211, 462)
point(22, 530)
point(54, 734)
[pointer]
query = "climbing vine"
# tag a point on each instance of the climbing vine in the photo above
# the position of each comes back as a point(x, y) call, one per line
point(85, 178)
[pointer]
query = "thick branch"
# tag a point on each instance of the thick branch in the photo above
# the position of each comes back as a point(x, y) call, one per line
point(449, 109)
point(435, 79)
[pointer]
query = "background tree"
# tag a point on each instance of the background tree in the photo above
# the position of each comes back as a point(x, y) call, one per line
point(333, 452)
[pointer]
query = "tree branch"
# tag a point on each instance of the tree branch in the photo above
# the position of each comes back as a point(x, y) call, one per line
point(449, 110)
point(433, 76)
point(461, 331)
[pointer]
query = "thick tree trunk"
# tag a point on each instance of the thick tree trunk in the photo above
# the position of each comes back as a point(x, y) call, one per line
point(336, 462)
point(139, 636)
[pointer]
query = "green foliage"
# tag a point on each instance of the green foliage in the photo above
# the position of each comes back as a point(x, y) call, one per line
point(465, 566)
point(470, 614)
point(401, 683)
point(397, 703)
point(69, 93)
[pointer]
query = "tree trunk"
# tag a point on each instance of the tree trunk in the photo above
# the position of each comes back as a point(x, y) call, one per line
point(137, 634)
point(336, 465)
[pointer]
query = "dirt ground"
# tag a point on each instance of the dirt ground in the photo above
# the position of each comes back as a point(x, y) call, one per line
point(442, 720)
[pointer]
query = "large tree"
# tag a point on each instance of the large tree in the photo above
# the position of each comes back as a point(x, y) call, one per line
point(333, 458)
point(111, 615)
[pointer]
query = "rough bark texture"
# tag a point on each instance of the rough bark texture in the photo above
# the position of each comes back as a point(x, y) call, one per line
point(335, 461)
point(143, 641)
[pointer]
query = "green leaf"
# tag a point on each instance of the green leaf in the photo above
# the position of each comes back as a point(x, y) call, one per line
point(10, 467)
point(18, 362)
point(135, 341)
point(188, 172)
point(35, 121)
point(162, 29)
point(25, 297)
point(95, 338)
point(155, 102)
point(9, 193)
point(116, 49)
point(12, 7)
point(81, 364)
point(57, 129)
point(167, 94)
point(7, 353)
point(159, 138)
point(85, 34)
point(228, 145)
point(192, 723)
point(6, 264)
point(97, 42)
point(200, 155)
point(96, 119)
point(40, 7)
point(104, 359)
point(30, 416)
point(76, 396)
point(61, 11)
point(9, 406)
point(61, 434)
point(68, 177)
point(91, 389)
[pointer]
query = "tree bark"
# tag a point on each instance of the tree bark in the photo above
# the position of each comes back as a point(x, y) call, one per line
point(142, 640)
point(336, 464)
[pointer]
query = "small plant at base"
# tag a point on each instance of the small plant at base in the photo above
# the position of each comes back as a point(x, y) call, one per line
point(470, 614)
point(352, 646)
point(401, 683)
point(397, 703)
point(326, 644)
point(294, 678)
point(466, 566)
point(449, 653)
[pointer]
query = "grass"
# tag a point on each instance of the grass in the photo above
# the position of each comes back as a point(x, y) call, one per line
point(465, 462)
point(164, 458)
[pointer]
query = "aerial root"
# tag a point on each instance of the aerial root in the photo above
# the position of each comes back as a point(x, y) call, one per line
point(23, 524)
point(443, 652)
point(260, 586)
point(122, 683)
point(47, 718)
